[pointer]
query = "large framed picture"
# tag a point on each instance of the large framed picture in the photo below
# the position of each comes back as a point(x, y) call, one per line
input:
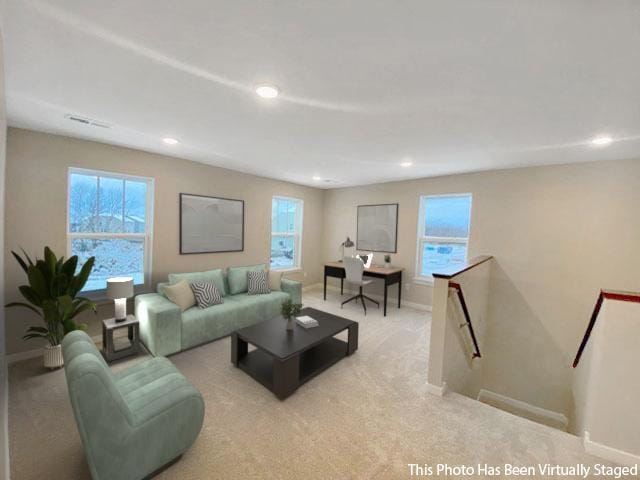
point(377, 228)
point(211, 224)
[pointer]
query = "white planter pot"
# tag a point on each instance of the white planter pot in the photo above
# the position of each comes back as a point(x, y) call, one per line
point(387, 264)
point(53, 356)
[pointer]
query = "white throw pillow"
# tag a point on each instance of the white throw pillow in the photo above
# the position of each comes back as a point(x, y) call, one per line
point(181, 294)
point(275, 278)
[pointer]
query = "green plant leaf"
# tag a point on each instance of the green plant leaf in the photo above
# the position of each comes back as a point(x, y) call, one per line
point(20, 261)
point(30, 295)
point(61, 282)
point(69, 326)
point(37, 329)
point(50, 259)
point(51, 312)
point(37, 281)
point(26, 255)
point(25, 305)
point(47, 274)
point(65, 304)
point(83, 308)
point(80, 280)
point(29, 336)
point(69, 267)
point(36, 332)
point(59, 264)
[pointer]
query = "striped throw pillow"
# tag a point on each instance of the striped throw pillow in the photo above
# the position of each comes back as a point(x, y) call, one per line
point(207, 294)
point(257, 283)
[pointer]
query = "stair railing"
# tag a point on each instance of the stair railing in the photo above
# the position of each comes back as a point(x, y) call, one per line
point(467, 317)
point(604, 294)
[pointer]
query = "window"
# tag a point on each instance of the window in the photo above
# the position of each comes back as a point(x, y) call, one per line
point(110, 218)
point(443, 232)
point(286, 233)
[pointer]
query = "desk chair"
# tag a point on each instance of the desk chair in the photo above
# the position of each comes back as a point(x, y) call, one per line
point(354, 269)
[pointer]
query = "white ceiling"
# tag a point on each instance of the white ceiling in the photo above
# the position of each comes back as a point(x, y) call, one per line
point(453, 85)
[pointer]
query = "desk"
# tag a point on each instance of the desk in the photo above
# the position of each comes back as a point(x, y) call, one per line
point(389, 275)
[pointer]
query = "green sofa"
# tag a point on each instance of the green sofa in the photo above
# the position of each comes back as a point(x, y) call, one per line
point(133, 422)
point(165, 329)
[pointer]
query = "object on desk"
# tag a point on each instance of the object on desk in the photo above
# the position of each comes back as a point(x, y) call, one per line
point(307, 322)
point(348, 243)
point(366, 259)
point(387, 261)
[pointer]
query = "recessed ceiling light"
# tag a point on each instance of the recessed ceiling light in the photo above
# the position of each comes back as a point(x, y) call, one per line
point(406, 163)
point(317, 178)
point(602, 141)
point(267, 91)
point(170, 141)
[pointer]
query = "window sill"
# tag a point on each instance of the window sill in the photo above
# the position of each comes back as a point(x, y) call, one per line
point(288, 270)
point(427, 281)
point(99, 297)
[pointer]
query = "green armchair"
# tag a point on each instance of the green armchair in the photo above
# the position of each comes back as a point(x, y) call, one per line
point(133, 422)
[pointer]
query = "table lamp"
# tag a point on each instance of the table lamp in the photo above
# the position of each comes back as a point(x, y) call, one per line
point(348, 243)
point(118, 290)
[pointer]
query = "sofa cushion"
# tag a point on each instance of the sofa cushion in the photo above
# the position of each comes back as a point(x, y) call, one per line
point(181, 294)
point(212, 276)
point(260, 307)
point(207, 294)
point(200, 325)
point(237, 277)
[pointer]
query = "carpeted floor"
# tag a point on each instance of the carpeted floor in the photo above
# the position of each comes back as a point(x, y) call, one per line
point(368, 416)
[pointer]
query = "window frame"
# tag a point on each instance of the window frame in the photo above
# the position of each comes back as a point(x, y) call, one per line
point(146, 236)
point(297, 235)
point(422, 238)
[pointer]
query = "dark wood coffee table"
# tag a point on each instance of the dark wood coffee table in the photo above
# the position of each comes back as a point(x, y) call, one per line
point(282, 361)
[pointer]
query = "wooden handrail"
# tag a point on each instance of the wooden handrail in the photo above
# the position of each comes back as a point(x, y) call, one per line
point(451, 272)
point(609, 295)
point(467, 317)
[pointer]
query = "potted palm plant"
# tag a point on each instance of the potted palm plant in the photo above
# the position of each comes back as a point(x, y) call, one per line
point(52, 293)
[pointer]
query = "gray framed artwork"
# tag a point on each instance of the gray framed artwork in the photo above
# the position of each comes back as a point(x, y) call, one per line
point(377, 229)
point(210, 224)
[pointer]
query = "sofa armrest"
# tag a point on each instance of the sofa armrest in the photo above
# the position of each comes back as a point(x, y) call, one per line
point(293, 288)
point(160, 323)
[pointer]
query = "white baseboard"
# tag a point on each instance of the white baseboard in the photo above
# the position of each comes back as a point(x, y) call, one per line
point(20, 356)
point(313, 286)
point(609, 453)
point(543, 413)
point(436, 390)
point(416, 306)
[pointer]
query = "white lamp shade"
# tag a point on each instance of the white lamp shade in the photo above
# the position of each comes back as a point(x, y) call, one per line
point(119, 287)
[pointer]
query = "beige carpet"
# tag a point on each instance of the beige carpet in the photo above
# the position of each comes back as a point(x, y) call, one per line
point(368, 416)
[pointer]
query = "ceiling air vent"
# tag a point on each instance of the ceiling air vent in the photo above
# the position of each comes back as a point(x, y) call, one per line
point(87, 121)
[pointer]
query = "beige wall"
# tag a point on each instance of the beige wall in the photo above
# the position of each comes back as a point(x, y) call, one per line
point(558, 234)
point(4, 387)
point(610, 404)
point(37, 166)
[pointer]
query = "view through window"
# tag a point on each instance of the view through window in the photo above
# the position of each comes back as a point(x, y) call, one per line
point(110, 219)
point(443, 233)
point(286, 233)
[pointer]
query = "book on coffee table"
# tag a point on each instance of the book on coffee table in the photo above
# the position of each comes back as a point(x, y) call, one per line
point(307, 322)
